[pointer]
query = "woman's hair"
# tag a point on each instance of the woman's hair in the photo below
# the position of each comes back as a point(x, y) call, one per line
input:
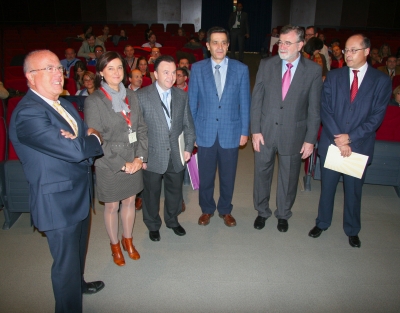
point(82, 66)
point(313, 44)
point(103, 61)
point(381, 50)
point(147, 69)
point(396, 90)
point(90, 74)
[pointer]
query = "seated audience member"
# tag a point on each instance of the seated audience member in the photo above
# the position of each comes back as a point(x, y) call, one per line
point(337, 58)
point(312, 51)
point(396, 97)
point(87, 49)
point(147, 33)
point(143, 67)
point(322, 37)
point(269, 38)
point(135, 79)
point(181, 78)
point(98, 52)
point(106, 34)
point(70, 60)
point(202, 36)
point(86, 30)
point(130, 59)
point(88, 84)
point(391, 68)
point(184, 63)
point(334, 42)
point(155, 53)
point(122, 35)
point(3, 92)
point(181, 33)
point(152, 42)
point(195, 44)
point(384, 52)
point(79, 69)
point(374, 59)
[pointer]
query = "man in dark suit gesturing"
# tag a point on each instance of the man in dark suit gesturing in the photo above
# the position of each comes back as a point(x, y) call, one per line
point(219, 97)
point(56, 148)
point(353, 105)
point(239, 30)
point(284, 122)
point(166, 112)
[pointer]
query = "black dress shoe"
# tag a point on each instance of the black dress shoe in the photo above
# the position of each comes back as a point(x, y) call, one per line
point(354, 241)
point(316, 232)
point(259, 223)
point(282, 225)
point(178, 230)
point(92, 287)
point(154, 235)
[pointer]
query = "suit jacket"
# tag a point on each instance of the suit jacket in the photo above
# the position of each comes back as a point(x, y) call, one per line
point(114, 130)
point(163, 142)
point(58, 169)
point(244, 22)
point(291, 122)
point(84, 49)
point(359, 119)
point(384, 69)
point(229, 118)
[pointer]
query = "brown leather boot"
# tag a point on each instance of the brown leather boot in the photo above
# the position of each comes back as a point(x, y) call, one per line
point(117, 254)
point(138, 203)
point(130, 248)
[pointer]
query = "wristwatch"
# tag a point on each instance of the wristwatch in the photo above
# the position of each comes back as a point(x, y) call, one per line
point(141, 158)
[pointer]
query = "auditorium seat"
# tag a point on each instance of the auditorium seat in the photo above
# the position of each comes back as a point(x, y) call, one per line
point(11, 72)
point(18, 84)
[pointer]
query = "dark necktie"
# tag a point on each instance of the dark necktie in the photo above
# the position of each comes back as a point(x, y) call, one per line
point(354, 86)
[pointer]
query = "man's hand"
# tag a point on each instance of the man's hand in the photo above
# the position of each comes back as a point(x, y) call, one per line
point(257, 139)
point(67, 134)
point(95, 132)
point(92, 55)
point(187, 156)
point(341, 140)
point(243, 140)
point(306, 150)
point(345, 151)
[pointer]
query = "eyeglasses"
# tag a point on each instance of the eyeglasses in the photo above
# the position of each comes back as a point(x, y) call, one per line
point(352, 51)
point(99, 51)
point(50, 69)
point(308, 35)
point(286, 43)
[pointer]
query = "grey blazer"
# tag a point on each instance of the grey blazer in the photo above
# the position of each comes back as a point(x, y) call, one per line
point(163, 141)
point(295, 120)
point(114, 130)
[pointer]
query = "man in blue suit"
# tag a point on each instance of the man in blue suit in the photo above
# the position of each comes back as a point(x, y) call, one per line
point(56, 150)
point(353, 105)
point(219, 98)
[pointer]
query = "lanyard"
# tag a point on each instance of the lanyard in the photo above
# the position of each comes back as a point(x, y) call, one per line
point(127, 117)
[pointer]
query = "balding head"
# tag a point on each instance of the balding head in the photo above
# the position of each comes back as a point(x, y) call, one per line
point(135, 78)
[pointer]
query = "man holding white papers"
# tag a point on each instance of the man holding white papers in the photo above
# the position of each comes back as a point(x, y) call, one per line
point(353, 105)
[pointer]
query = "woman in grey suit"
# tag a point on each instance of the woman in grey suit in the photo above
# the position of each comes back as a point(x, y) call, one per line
point(115, 113)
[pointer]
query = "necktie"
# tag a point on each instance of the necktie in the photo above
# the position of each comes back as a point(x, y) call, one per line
point(354, 86)
point(239, 17)
point(286, 80)
point(165, 101)
point(217, 77)
point(64, 114)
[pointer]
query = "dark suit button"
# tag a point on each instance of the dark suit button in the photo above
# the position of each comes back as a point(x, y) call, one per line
point(167, 149)
point(281, 107)
point(219, 107)
point(217, 120)
point(276, 123)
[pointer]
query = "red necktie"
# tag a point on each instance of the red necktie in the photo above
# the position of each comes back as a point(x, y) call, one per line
point(286, 80)
point(354, 86)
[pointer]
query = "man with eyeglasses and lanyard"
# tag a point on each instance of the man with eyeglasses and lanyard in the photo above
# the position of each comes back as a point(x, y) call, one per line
point(353, 105)
point(286, 123)
point(56, 149)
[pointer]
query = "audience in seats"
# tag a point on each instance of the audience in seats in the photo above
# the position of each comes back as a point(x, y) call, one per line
point(122, 35)
point(181, 78)
point(334, 42)
point(87, 49)
point(3, 92)
point(143, 67)
point(135, 79)
point(311, 32)
point(181, 33)
point(69, 61)
point(87, 29)
point(130, 59)
point(119, 171)
point(98, 52)
point(184, 63)
point(152, 41)
point(396, 97)
point(374, 59)
point(155, 53)
point(391, 68)
point(312, 51)
point(79, 70)
point(88, 84)
point(384, 52)
point(106, 34)
point(202, 35)
point(337, 58)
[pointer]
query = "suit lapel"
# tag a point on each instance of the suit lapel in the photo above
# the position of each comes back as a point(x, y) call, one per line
point(209, 76)
point(344, 84)
point(230, 76)
point(298, 78)
point(365, 86)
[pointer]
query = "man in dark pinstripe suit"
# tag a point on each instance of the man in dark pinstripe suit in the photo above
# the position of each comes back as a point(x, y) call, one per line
point(167, 114)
